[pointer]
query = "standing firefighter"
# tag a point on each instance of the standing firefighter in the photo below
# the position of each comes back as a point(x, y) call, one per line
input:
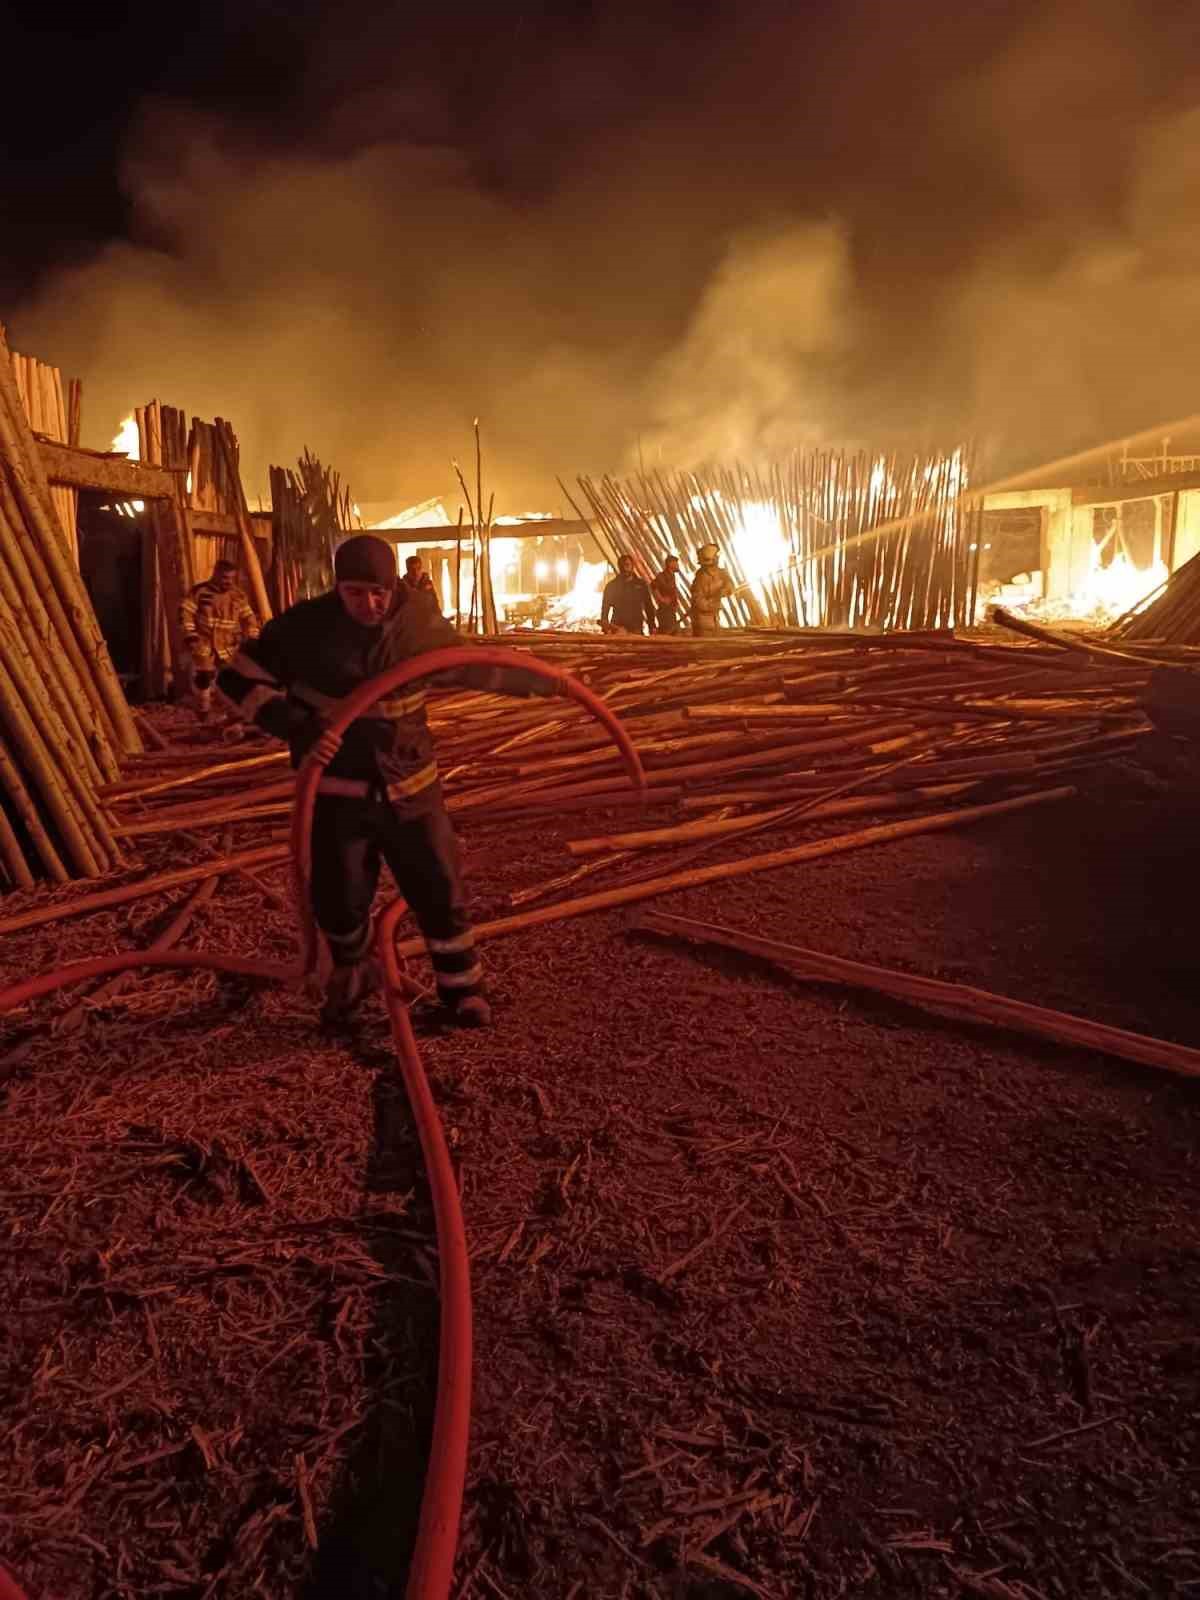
point(664, 591)
point(418, 582)
point(379, 796)
point(216, 617)
point(710, 586)
point(627, 606)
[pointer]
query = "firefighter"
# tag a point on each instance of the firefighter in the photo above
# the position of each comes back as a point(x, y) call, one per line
point(379, 797)
point(216, 616)
point(664, 591)
point(418, 581)
point(710, 586)
point(627, 606)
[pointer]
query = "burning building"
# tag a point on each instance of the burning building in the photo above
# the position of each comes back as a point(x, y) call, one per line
point(1096, 547)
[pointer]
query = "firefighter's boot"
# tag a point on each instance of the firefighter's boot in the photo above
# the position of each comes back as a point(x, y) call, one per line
point(347, 989)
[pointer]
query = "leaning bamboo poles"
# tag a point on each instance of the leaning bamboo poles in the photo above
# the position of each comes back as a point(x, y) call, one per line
point(1170, 616)
point(55, 416)
point(38, 527)
point(789, 536)
point(64, 721)
point(168, 568)
point(311, 512)
point(241, 511)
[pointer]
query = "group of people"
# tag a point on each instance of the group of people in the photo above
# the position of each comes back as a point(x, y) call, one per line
point(631, 605)
point(216, 615)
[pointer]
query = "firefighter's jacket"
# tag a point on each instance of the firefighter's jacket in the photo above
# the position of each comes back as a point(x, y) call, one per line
point(306, 661)
point(710, 586)
point(214, 623)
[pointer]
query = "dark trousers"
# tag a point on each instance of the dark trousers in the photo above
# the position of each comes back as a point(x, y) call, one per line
point(668, 619)
point(350, 839)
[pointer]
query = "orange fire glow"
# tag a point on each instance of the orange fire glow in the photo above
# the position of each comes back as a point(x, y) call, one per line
point(1110, 591)
point(126, 441)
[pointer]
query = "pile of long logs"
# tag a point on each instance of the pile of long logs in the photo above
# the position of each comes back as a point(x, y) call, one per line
point(754, 734)
point(64, 720)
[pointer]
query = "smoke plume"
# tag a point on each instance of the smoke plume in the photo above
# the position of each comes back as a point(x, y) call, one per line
point(640, 236)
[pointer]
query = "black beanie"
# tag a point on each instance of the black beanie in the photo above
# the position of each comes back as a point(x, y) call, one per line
point(365, 559)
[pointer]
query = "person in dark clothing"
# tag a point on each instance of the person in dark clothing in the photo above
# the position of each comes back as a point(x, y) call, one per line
point(627, 606)
point(664, 591)
point(418, 582)
point(379, 798)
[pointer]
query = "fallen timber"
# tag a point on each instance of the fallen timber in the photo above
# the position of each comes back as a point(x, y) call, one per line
point(959, 1000)
point(756, 730)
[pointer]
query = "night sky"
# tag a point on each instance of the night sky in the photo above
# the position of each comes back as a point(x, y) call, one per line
point(703, 229)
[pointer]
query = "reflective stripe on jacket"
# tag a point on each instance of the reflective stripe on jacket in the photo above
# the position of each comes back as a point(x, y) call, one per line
point(214, 621)
point(290, 679)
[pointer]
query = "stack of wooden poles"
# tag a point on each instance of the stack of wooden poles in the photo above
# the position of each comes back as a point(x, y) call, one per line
point(204, 459)
point(55, 416)
point(1169, 617)
point(798, 537)
point(64, 720)
point(755, 733)
point(311, 512)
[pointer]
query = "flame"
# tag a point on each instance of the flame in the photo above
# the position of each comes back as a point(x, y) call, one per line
point(761, 546)
point(1109, 591)
point(1120, 586)
point(581, 603)
point(127, 441)
point(1112, 590)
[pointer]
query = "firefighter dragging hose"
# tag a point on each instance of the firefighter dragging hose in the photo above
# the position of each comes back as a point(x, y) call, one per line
point(379, 798)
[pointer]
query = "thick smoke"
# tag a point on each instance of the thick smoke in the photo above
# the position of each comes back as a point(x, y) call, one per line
point(666, 241)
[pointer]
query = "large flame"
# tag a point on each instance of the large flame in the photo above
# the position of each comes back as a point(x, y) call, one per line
point(762, 548)
point(127, 441)
point(581, 604)
point(1113, 590)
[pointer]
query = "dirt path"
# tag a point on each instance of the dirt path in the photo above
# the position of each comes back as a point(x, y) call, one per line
point(780, 1290)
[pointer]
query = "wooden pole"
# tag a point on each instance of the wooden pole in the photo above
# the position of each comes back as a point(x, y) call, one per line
point(258, 589)
point(39, 766)
point(973, 1005)
point(45, 661)
point(15, 866)
point(687, 832)
point(106, 899)
point(27, 814)
point(886, 833)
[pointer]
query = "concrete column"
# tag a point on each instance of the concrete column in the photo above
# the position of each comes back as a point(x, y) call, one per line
point(1187, 527)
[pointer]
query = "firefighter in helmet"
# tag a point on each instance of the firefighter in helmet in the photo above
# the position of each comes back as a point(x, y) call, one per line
point(710, 586)
point(216, 617)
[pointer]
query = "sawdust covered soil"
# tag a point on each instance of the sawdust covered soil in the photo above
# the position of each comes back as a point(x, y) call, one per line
point(780, 1290)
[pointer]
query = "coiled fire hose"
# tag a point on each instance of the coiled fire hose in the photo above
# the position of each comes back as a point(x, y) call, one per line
point(436, 1544)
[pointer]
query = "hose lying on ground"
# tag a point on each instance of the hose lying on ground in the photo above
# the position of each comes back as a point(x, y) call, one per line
point(432, 1565)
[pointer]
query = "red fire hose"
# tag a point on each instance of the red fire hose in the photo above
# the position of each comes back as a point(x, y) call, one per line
point(432, 1567)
